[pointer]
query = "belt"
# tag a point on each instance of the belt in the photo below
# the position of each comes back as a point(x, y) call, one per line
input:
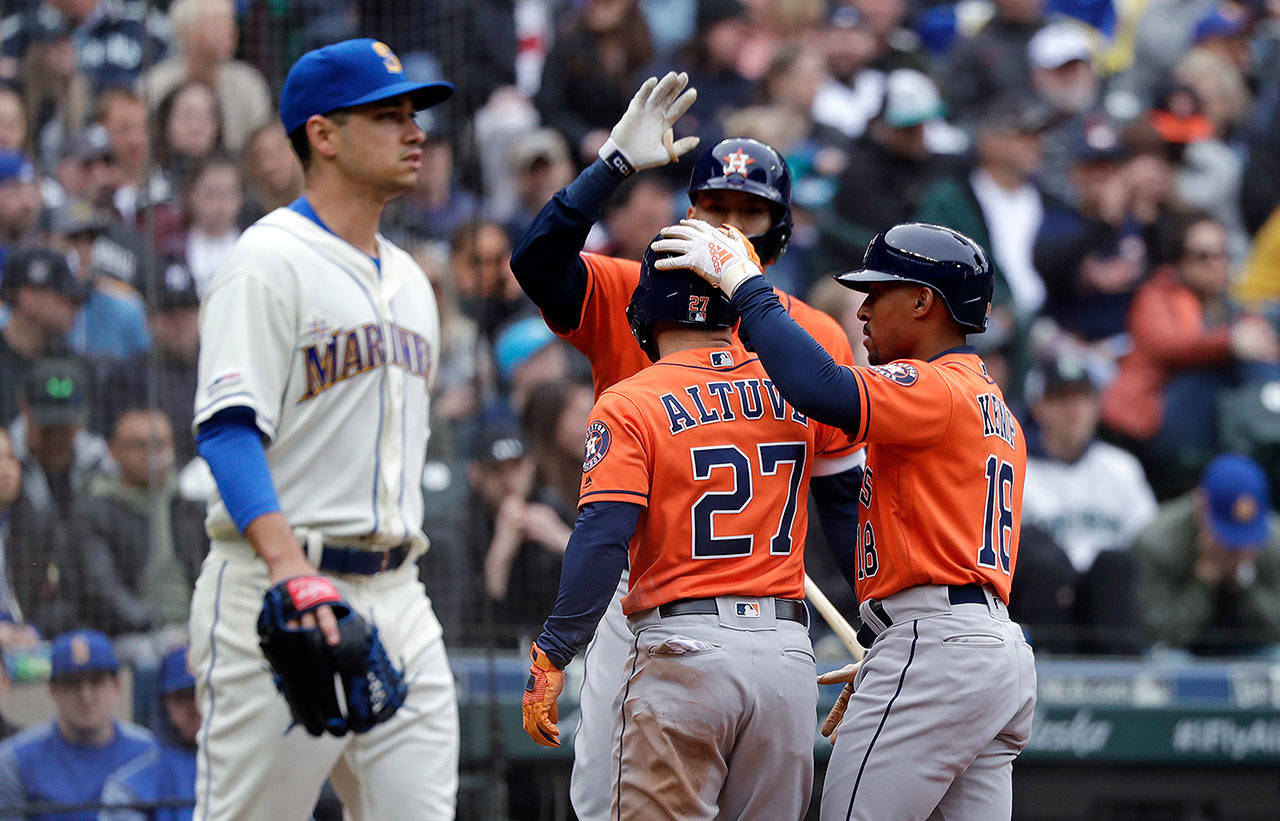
point(786, 609)
point(956, 594)
point(355, 561)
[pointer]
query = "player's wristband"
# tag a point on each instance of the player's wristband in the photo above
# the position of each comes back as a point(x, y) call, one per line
point(616, 160)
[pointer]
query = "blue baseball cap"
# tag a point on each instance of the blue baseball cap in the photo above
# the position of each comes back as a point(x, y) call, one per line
point(174, 673)
point(519, 342)
point(15, 166)
point(1239, 499)
point(82, 651)
point(346, 74)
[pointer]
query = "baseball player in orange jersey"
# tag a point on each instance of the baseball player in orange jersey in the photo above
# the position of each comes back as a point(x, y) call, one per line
point(939, 511)
point(703, 469)
point(583, 298)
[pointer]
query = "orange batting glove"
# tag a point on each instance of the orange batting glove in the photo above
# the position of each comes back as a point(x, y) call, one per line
point(845, 674)
point(539, 703)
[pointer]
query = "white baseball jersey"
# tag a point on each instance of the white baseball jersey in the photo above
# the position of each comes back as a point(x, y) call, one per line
point(335, 357)
point(334, 353)
point(1096, 503)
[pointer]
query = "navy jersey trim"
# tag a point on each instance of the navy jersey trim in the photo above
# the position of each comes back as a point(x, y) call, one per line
point(624, 492)
point(707, 367)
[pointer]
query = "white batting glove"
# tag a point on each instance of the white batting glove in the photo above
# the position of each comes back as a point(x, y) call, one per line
point(722, 256)
point(643, 137)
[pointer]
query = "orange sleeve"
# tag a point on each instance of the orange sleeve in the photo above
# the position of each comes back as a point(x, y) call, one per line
point(603, 335)
point(615, 466)
point(831, 442)
point(902, 403)
point(1167, 324)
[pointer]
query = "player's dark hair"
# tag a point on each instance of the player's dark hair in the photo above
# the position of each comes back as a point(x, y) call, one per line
point(302, 145)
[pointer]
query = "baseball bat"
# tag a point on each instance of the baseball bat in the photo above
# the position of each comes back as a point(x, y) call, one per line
point(832, 617)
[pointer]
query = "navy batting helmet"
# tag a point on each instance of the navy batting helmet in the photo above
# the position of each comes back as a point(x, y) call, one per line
point(741, 164)
point(950, 263)
point(680, 297)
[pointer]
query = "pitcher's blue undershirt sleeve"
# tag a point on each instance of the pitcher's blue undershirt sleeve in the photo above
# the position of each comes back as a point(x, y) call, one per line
point(593, 562)
point(803, 372)
point(546, 261)
point(232, 445)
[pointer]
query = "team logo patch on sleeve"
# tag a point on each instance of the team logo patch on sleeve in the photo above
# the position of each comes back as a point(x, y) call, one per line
point(903, 373)
point(598, 439)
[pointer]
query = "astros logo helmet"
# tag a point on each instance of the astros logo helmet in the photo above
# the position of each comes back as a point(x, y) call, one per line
point(680, 297)
point(950, 263)
point(741, 164)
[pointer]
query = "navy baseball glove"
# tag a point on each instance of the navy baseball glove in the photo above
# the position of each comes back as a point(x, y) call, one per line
point(305, 665)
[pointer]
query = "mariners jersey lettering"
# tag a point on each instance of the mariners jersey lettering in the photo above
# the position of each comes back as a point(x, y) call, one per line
point(316, 338)
point(703, 440)
point(605, 338)
point(941, 494)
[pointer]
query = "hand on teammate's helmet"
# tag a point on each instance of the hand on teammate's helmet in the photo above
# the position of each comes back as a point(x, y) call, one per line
point(643, 136)
point(845, 674)
point(722, 256)
point(541, 712)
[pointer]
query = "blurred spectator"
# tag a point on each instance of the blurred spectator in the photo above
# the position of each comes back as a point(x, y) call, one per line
point(589, 75)
point(437, 206)
point(115, 39)
point(42, 298)
point(1189, 342)
point(122, 113)
point(86, 170)
point(521, 541)
point(896, 45)
point(527, 354)
point(711, 59)
point(167, 374)
point(998, 204)
point(994, 60)
point(1209, 565)
point(642, 206)
point(555, 425)
point(1092, 249)
point(206, 34)
point(272, 173)
point(212, 201)
point(13, 120)
point(889, 169)
point(167, 775)
point(66, 761)
point(1043, 595)
point(853, 92)
point(1207, 171)
point(481, 265)
point(186, 129)
point(139, 541)
point(1062, 76)
point(38, 592)
point(542, 166)
point(59, 457)
point(57, 96)
point(20, 201)
point(111, 325)
point(1090, 496)
point(1161, 36)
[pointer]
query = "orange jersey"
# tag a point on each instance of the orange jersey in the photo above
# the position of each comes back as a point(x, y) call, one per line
point(703, 440)
point(605, 338)
point(941, 499)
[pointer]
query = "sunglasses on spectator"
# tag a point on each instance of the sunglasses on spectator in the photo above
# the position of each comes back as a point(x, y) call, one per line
point(1205, 254)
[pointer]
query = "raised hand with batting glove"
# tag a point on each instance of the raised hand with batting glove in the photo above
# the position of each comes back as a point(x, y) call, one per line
point(541, 712)
point(643, 137)
point(305, 664)
point(722, 256)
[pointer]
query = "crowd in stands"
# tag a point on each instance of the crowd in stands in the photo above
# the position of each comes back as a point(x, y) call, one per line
point(1117, 161)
